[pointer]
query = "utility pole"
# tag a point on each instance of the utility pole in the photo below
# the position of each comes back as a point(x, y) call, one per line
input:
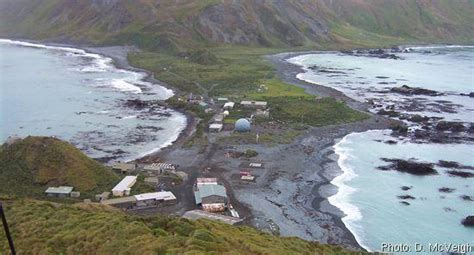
point(7, 231)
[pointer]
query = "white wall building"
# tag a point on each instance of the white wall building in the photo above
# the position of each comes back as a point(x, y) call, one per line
point(124, 186)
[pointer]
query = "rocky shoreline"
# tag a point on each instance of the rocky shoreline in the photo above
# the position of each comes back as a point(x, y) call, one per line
point(325, 161)
point(293, 194)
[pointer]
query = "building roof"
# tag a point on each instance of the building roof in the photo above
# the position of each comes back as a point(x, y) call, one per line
point(126, 183)
point(256, 165)
point(215, 126)
point(120, 200)
point(200, 181)
point(152, 180)
point(162, 195)
point(199, 214)
point(59, 190)
point(229, 105)
point(206, 190)
point(247, 177)
point(159, 166)
point(257, 103)
point(124, 166)
point(222, 99)
point(219, 117)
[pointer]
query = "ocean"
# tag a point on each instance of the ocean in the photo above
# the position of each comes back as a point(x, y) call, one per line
point(82, 98)
point(369, 197)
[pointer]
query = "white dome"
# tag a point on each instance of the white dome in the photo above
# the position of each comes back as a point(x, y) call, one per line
point(242, 125)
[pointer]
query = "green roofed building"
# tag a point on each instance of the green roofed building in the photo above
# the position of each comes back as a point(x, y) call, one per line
point(212, 197)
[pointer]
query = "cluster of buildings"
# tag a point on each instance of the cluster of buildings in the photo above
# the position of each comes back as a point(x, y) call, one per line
point(145, 200)
point(246, 175)
point(123, 200)
point(243, 124)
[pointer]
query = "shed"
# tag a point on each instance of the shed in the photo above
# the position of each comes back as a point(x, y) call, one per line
point(203, 105)
point(219, 118)
point(215, 127)
point(125, 167)
point(124, 186)
point(229, 105)
point(158, 168)
point(61, 191)
point(103, 196)
point(222, 99)
point(152, 180)
point(247, 178)
point(256, 165)
point(122, 202)
point(254, 104)
point(75, 194)
point(156, 197)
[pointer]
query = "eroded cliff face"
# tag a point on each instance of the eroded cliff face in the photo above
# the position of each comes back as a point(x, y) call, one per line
point(277, 23)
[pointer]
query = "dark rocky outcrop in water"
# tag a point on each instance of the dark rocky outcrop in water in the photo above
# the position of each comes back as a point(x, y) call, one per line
point(404, 203)
point(453, 164)
point(409, 91)
point(405, 188)
point(469, 95)
point(405, 197)
point(409, 166)
point(418, 118)
point(376, 53)
point(446, 190)
point(467, 198)
point(468, 221)
point(136, 104)
point(460, 174)
point(450, 126)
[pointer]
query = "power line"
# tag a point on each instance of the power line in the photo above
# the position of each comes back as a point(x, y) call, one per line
point(7, 231)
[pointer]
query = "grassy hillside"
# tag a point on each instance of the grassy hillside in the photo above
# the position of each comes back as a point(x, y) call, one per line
point(30, 165)
point(51, 228)
point(178, 25)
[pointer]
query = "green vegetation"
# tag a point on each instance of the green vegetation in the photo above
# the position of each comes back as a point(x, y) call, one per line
point(30, 165)
point(232, 70)
point(51, 228)
point(242, 73)
point(250, 153)
point(314, 112)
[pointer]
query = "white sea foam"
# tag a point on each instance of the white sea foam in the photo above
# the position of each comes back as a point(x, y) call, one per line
point(342, 198)
point(439, 47)
point(100, 63)
point(123, 85)
point(129, 117)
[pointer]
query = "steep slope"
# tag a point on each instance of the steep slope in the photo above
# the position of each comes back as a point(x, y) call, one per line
point(50, 228)
point(175, 25)
point(29, 165)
